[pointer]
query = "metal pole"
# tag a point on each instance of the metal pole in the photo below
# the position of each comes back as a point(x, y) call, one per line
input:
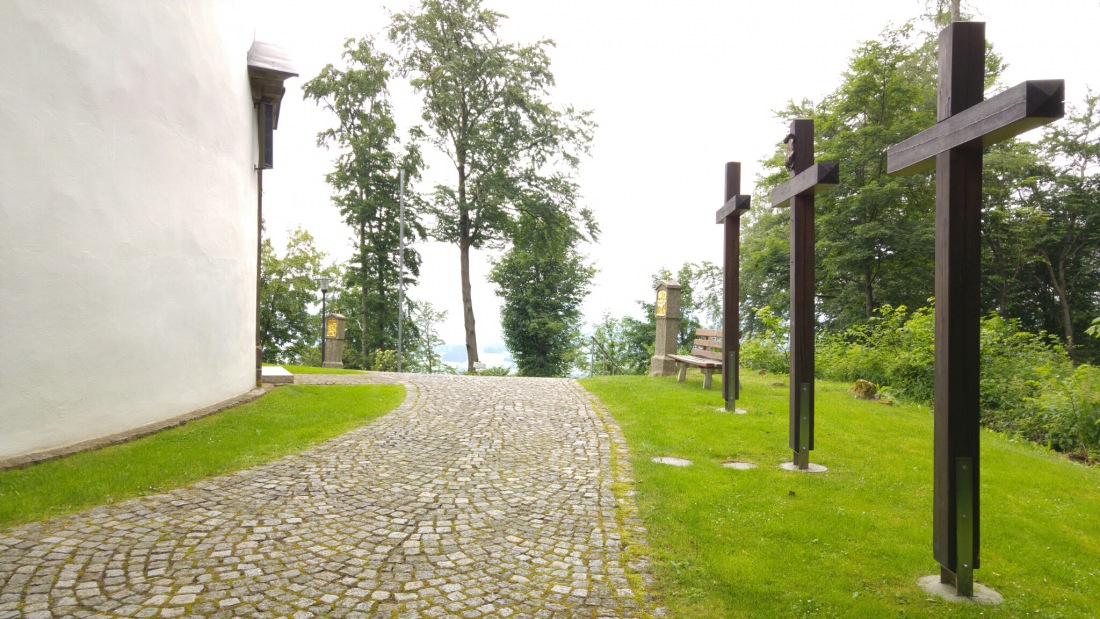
point(323, 291)
point(401, 276)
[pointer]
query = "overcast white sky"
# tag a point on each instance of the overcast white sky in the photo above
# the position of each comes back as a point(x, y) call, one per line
point(677, 88)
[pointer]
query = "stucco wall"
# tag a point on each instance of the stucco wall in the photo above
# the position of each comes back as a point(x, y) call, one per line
point(127, 215)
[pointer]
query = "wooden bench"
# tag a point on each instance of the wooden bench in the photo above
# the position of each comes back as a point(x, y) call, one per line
point(706, 354)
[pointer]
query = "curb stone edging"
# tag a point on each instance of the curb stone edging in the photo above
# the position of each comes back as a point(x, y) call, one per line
point(118, 438)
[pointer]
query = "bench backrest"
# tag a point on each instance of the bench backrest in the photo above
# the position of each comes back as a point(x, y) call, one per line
point(708, 344)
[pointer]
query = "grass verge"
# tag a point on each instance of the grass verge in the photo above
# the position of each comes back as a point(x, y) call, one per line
point(310, 369)
point(850, 542)
point(287, 420)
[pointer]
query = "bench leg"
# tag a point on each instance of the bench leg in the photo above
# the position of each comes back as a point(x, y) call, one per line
point(706, 378)
point(683, 367)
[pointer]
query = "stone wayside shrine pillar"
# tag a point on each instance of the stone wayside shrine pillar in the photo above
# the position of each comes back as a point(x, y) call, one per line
point(668, 327)
point(953, 147)
point(334, 341)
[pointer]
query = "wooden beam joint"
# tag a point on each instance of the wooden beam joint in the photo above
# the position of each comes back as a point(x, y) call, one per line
point(810, 181)
point(734, 206)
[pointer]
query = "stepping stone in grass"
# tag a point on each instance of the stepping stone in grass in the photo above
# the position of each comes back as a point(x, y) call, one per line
point(672, 461)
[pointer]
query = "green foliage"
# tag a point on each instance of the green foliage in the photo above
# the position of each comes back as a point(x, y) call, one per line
point(625, 345)
point(894, 350)
point(768, 348)
point(285, 421)
point(288, 329)
point(621, 345)
point(543, 280)
point(382, 361)
point(1067, 418)
point(1029, 386)
point(874, 231)
point(1094, 329)
point(485, 104)
point(366, 189)
point(496, 370)
point(422, 338)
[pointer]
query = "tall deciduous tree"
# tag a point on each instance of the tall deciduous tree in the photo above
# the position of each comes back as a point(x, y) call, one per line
point(543, 280)
point(287, 289)
point(875, 239)
point(485, 104)
point(422, 336)
point(875, 232)
point(1069, 247)
point(366, 187)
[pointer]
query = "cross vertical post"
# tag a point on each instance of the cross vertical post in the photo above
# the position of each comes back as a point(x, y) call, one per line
point(958, 310)
point(807, 179)
point(965, 124)
point(730, 217)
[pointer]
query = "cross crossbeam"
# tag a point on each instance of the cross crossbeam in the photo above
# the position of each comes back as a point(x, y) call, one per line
point(812, 180)
point(733, 206)
point(1019, 109)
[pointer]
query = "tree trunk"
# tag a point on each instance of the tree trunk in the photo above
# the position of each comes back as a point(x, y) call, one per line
point(868, 293)
point(464, 243)
point(1058, 280)
point(363, 288)
point(468, 307)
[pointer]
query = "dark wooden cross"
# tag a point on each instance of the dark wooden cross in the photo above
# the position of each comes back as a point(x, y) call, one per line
point(807, 179)
point(730, 216)
point(965, 124)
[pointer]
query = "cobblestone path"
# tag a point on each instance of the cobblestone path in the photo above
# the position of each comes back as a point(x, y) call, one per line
point(477, 497)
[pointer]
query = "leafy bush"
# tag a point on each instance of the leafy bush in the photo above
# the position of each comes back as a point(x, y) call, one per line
point(496, 370)
point(893, 349)
point(382, 361)
point(1029, 387)
point(1068, 417)
point(769, 349)
point(1018, 369)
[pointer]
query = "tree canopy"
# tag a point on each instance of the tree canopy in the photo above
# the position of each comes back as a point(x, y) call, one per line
point(366, 188)
point(485, 105)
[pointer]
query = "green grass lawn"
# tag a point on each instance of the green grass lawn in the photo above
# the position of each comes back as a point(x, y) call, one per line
point(310, 369)
point(287, 420)
point(853, 541)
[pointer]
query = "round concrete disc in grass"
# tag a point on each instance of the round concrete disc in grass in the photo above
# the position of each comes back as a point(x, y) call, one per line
point(739, 466)
point(672, 461)
point(982, 594)
point(814, 468)
point(736, 411)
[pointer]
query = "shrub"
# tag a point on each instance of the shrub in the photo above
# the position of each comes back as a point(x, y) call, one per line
point(894, 350)
point(496, 370)
point(382, 361)
point(1029, 387)
point(768, 350)
point(1068, 417)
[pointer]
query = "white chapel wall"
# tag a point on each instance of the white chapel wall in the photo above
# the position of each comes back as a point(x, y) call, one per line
point(127, 215)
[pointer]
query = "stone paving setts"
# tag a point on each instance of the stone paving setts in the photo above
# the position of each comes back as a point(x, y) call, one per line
point(477, 497)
